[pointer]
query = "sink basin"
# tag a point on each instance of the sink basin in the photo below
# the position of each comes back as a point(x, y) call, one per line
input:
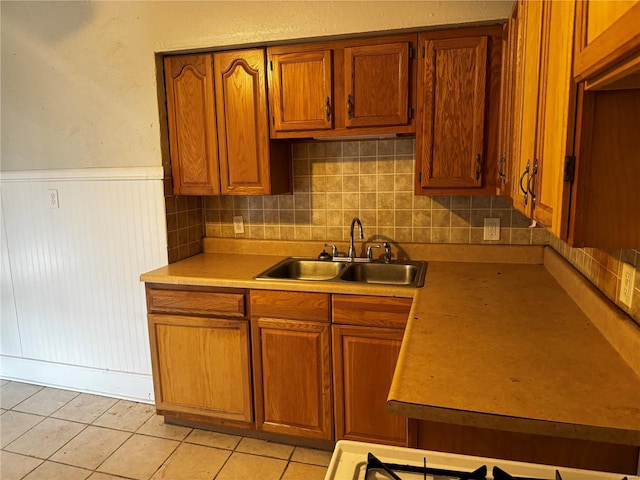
point(405, 273)
point(399, 273)
point(303, 269)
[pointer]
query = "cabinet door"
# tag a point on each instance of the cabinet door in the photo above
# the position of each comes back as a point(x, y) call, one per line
point(607, 53)
point(376, 85)
point(364, 362)
point(451, 98)
point(528, 80)
point(300, 96)
point(243, 133)
point(201, 366)
point(292, 375)
point(508, 128)
point(192, 124)
point(556, 116)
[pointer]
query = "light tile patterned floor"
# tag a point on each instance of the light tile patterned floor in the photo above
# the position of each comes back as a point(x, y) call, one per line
point(51, 434)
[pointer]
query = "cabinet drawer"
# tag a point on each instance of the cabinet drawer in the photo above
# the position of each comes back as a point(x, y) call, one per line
point(196, 302)
point(390, 312)
point(292, 305)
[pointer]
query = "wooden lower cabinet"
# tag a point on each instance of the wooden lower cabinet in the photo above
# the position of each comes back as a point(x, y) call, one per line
point(201, 368)
point(292, 377)
point(364, 362)
point(366, 337)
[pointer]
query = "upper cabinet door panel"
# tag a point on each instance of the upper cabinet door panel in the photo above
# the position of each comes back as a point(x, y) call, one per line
point(301, 97)
point(607, 50)
point(376, 85)
point(242, 121)
point(452, 98)
point(192, 124)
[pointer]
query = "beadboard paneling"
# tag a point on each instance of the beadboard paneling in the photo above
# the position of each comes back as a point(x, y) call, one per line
point(75, 269)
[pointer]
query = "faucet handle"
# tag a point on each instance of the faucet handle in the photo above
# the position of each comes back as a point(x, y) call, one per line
point(387, 252)
point(334, 249)
point(370, 251)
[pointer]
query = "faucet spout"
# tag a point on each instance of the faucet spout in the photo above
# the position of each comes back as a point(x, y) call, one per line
point(352, 249)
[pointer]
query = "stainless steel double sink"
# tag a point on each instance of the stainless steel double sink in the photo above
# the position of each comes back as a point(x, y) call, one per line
point(404, 273)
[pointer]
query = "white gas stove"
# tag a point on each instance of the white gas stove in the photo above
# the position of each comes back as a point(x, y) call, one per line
point(367, 461)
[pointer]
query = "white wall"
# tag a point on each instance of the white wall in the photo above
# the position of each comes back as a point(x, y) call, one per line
point(79, 80)
point(73, 308)
point(78, 90)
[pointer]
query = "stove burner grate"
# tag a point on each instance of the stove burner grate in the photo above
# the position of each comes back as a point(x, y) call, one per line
point(373, 463)
point(389, 469)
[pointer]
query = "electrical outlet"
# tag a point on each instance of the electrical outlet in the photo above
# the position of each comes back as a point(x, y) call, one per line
point(238, 224)
point(626, 286)
point(53, 198)
point(491, 229)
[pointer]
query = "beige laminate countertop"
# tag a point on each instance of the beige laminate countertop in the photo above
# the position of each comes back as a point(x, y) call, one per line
point(504, 347)
point(491, 345)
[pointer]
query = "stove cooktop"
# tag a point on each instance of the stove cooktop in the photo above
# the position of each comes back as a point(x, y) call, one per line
point(351, 459)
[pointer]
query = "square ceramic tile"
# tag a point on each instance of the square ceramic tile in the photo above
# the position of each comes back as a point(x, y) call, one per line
point(85, 408)
point(124, 415)
point(214, 439)
point(13, 393)
point(3, 382)
point(45, 438)
point(264, 448)
point(302, 471)
point(91, 447)
point(139, 457)
point(13, 424)
point(193, 462)
point(156, 427)
point(46, 401)
point(51, 470)
point(15, 467)
point(311, 456)
point(241, 465)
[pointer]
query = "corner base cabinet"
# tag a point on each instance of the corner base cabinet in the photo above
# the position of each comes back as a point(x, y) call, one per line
point(200, 354)
point(365, 351)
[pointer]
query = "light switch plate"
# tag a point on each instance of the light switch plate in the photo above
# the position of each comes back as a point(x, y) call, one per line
point(491, 229)
point(627, 283)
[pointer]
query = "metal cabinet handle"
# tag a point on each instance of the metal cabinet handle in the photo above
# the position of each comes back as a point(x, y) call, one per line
point(501, 175)
point(530, 181)
point(478, 166)
point(526, 172)
point(327, 104)
point(349, 106)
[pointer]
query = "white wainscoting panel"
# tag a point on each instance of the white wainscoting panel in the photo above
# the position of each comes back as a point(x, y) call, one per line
point(75, 270)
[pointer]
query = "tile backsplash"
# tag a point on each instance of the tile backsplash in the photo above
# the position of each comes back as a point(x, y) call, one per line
point(185, 226)
point(373, 180)
point(604, 269)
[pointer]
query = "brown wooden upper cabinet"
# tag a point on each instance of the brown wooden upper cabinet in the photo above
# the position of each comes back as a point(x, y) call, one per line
point(576, 165)
point(191, 114)
point(219, 136)
point(607, 54)
point(342, 88)
point(458, 98)
point(509, 129)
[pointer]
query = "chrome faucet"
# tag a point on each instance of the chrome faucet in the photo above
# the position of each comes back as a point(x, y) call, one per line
point(352, 249)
